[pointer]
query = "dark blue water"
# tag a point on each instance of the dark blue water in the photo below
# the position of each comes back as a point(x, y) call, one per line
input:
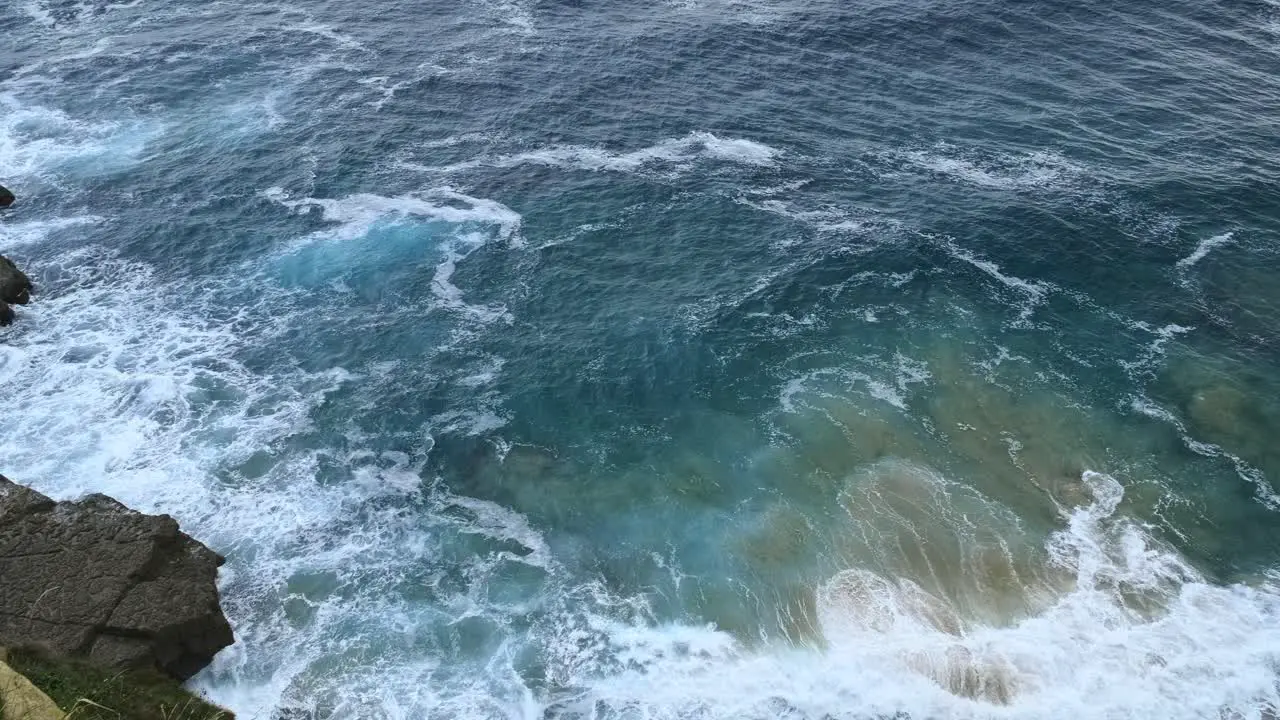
point(695, 360)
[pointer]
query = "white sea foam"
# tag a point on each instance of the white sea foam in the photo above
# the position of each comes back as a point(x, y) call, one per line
point(1147, 407)
point(827, 220)
point(357, 213)
point(668, 156)
point(327, 32)
point(1005, 172)
point(125, 385)
point(125, 388)
point(123, 391)
point(463, 139)
point(515, 15)
point(19, 233)
point(73, 53)
point(495, 521)
point(128, 385)
point(891, 386)
point(618, 221)
point(1263, 490)
point(1204, 248)
point(133, 390)
point(1187, 649)
point(249, 116)
point(1035, 291)
point(388, 88)
point(1153, 352)
point(38, 13)
point(40, 143)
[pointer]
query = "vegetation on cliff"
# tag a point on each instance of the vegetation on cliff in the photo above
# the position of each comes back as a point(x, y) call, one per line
point(89, 692)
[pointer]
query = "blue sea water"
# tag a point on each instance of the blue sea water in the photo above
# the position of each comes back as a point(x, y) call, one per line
point(690, 359)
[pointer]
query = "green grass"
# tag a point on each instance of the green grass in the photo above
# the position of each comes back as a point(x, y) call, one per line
point(86, 692)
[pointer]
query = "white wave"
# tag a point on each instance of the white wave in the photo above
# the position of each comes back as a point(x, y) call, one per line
point(904, 372)
point(735, 149)
point(40, 143)
point(1263, 490)
point(462, 139)
point(19, 233)
point(697, 315)
point(618, 221)
point(496, 521)
point(39, 14)
point(1034, 290)
point(676, 154)
point(247, 116)
point(124, 385)
point(75, 52)
point(826, 220)
point(1137, 633)
point(1204, 248)
point(107, 368)
point(389, 89)
point(469, 422)
point(123, 392)
point(313, 27)
point(1001, 171)
point(356, 216)
point(357, 213)
point(513, 14)
point(1149, 358)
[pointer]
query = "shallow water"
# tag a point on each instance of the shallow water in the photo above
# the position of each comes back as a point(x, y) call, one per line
point(700, 360)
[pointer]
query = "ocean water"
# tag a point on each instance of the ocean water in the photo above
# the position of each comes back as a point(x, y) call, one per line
point(579, 359)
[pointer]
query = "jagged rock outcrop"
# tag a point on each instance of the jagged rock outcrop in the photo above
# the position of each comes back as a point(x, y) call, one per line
point(96, 580)
point(15, 286)
point(6, 197)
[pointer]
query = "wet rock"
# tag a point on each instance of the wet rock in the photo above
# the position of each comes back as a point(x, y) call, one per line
point(15, 286)
point(6, 314)
point(6, 197)
point(93, 579)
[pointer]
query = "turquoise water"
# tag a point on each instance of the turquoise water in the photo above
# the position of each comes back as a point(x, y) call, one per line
point(705, 359)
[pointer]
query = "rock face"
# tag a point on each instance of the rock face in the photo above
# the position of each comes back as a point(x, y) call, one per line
point(6, 197)
point(96, 580)
point(6, 314)
point(15, 286)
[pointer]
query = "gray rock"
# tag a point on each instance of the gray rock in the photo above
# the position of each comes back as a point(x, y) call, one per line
point(6, 314)
point(15, 286)
point(93, 579)
point(6, 197)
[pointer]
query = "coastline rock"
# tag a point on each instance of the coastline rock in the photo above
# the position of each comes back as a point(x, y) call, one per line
point(20, 700)
point(6, 314)
point(93, 579)
point(6, 197)
point(15, 286)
